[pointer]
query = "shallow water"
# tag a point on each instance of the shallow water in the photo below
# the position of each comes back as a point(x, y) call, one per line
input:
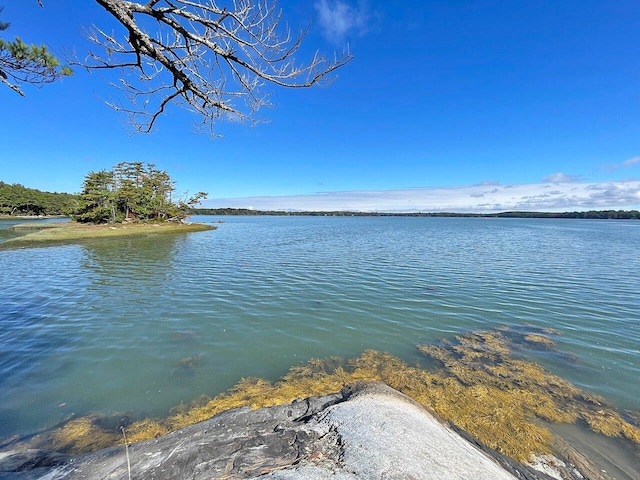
point(109, 325)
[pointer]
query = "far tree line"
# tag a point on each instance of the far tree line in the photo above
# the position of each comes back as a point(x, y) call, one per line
point(134, 191)
point(131, 191)
point(592, 214)
point(16, 199)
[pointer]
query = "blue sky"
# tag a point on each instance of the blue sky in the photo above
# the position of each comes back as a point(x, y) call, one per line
point(457, 105)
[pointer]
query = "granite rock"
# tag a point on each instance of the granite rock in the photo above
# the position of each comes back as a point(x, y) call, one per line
point(367, 431)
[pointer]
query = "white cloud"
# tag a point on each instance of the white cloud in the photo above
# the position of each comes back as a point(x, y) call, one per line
point(630, 162)
point(560, 178)
point(337, 18)
point(473, 198)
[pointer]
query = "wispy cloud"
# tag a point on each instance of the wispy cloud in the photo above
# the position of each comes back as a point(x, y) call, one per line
point(626, 164)
point(567, 196)
point(560, 178)
point(339, 18)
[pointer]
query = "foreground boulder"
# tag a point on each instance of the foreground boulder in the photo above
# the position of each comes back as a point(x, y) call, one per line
point(368, 431)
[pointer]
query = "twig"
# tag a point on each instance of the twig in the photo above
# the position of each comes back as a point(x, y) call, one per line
point(126, 449)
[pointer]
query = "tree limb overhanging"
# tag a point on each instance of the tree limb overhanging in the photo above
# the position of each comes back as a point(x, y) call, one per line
point(29, 64)
point(211, 60)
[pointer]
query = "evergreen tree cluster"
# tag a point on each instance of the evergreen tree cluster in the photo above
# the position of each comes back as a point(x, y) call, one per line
point(131, 191)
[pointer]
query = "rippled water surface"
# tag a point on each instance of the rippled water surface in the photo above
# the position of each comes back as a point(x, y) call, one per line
point(106, 325)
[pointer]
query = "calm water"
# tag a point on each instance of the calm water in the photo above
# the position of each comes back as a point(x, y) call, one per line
point(102, 326)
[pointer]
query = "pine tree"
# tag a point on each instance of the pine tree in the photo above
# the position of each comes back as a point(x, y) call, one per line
point(25, 63)
point(132, 191)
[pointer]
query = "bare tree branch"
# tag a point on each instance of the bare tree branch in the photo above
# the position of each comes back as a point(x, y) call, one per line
point(214, 61)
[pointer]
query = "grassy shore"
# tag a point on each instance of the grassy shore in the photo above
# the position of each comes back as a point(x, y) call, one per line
point(42, 234)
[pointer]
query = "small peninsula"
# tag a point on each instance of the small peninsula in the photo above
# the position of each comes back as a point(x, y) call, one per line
point(43, 234)
point(133, 198)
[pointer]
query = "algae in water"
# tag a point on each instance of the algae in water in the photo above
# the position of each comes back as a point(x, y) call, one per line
point(479, 384)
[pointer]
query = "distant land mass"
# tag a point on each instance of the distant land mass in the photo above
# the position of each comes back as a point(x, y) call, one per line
point(592, 214)
point(18, 200)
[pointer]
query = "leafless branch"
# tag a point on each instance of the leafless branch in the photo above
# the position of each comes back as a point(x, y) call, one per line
point(214, 61)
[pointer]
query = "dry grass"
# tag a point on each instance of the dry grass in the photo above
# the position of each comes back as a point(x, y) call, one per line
point(480, 386)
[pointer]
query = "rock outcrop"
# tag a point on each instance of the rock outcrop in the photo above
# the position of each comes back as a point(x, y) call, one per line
point(368, 431)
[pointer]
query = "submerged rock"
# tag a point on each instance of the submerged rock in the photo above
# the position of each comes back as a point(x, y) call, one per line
point(187, 365)
point(367, 431)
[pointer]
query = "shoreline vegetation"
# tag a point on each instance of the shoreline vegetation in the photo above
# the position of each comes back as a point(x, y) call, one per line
point(45, 233)
point(592, 214)
point(479, 382)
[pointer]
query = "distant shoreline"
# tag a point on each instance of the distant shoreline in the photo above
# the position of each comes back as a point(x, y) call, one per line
point(592, 214)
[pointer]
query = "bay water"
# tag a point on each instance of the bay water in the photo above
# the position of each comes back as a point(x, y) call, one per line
point(141, 324)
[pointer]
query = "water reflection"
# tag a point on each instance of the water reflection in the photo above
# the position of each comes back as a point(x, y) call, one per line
point(77, 316)
point(136, 264)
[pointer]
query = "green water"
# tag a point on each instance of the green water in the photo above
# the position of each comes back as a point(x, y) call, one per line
point(103, 326)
